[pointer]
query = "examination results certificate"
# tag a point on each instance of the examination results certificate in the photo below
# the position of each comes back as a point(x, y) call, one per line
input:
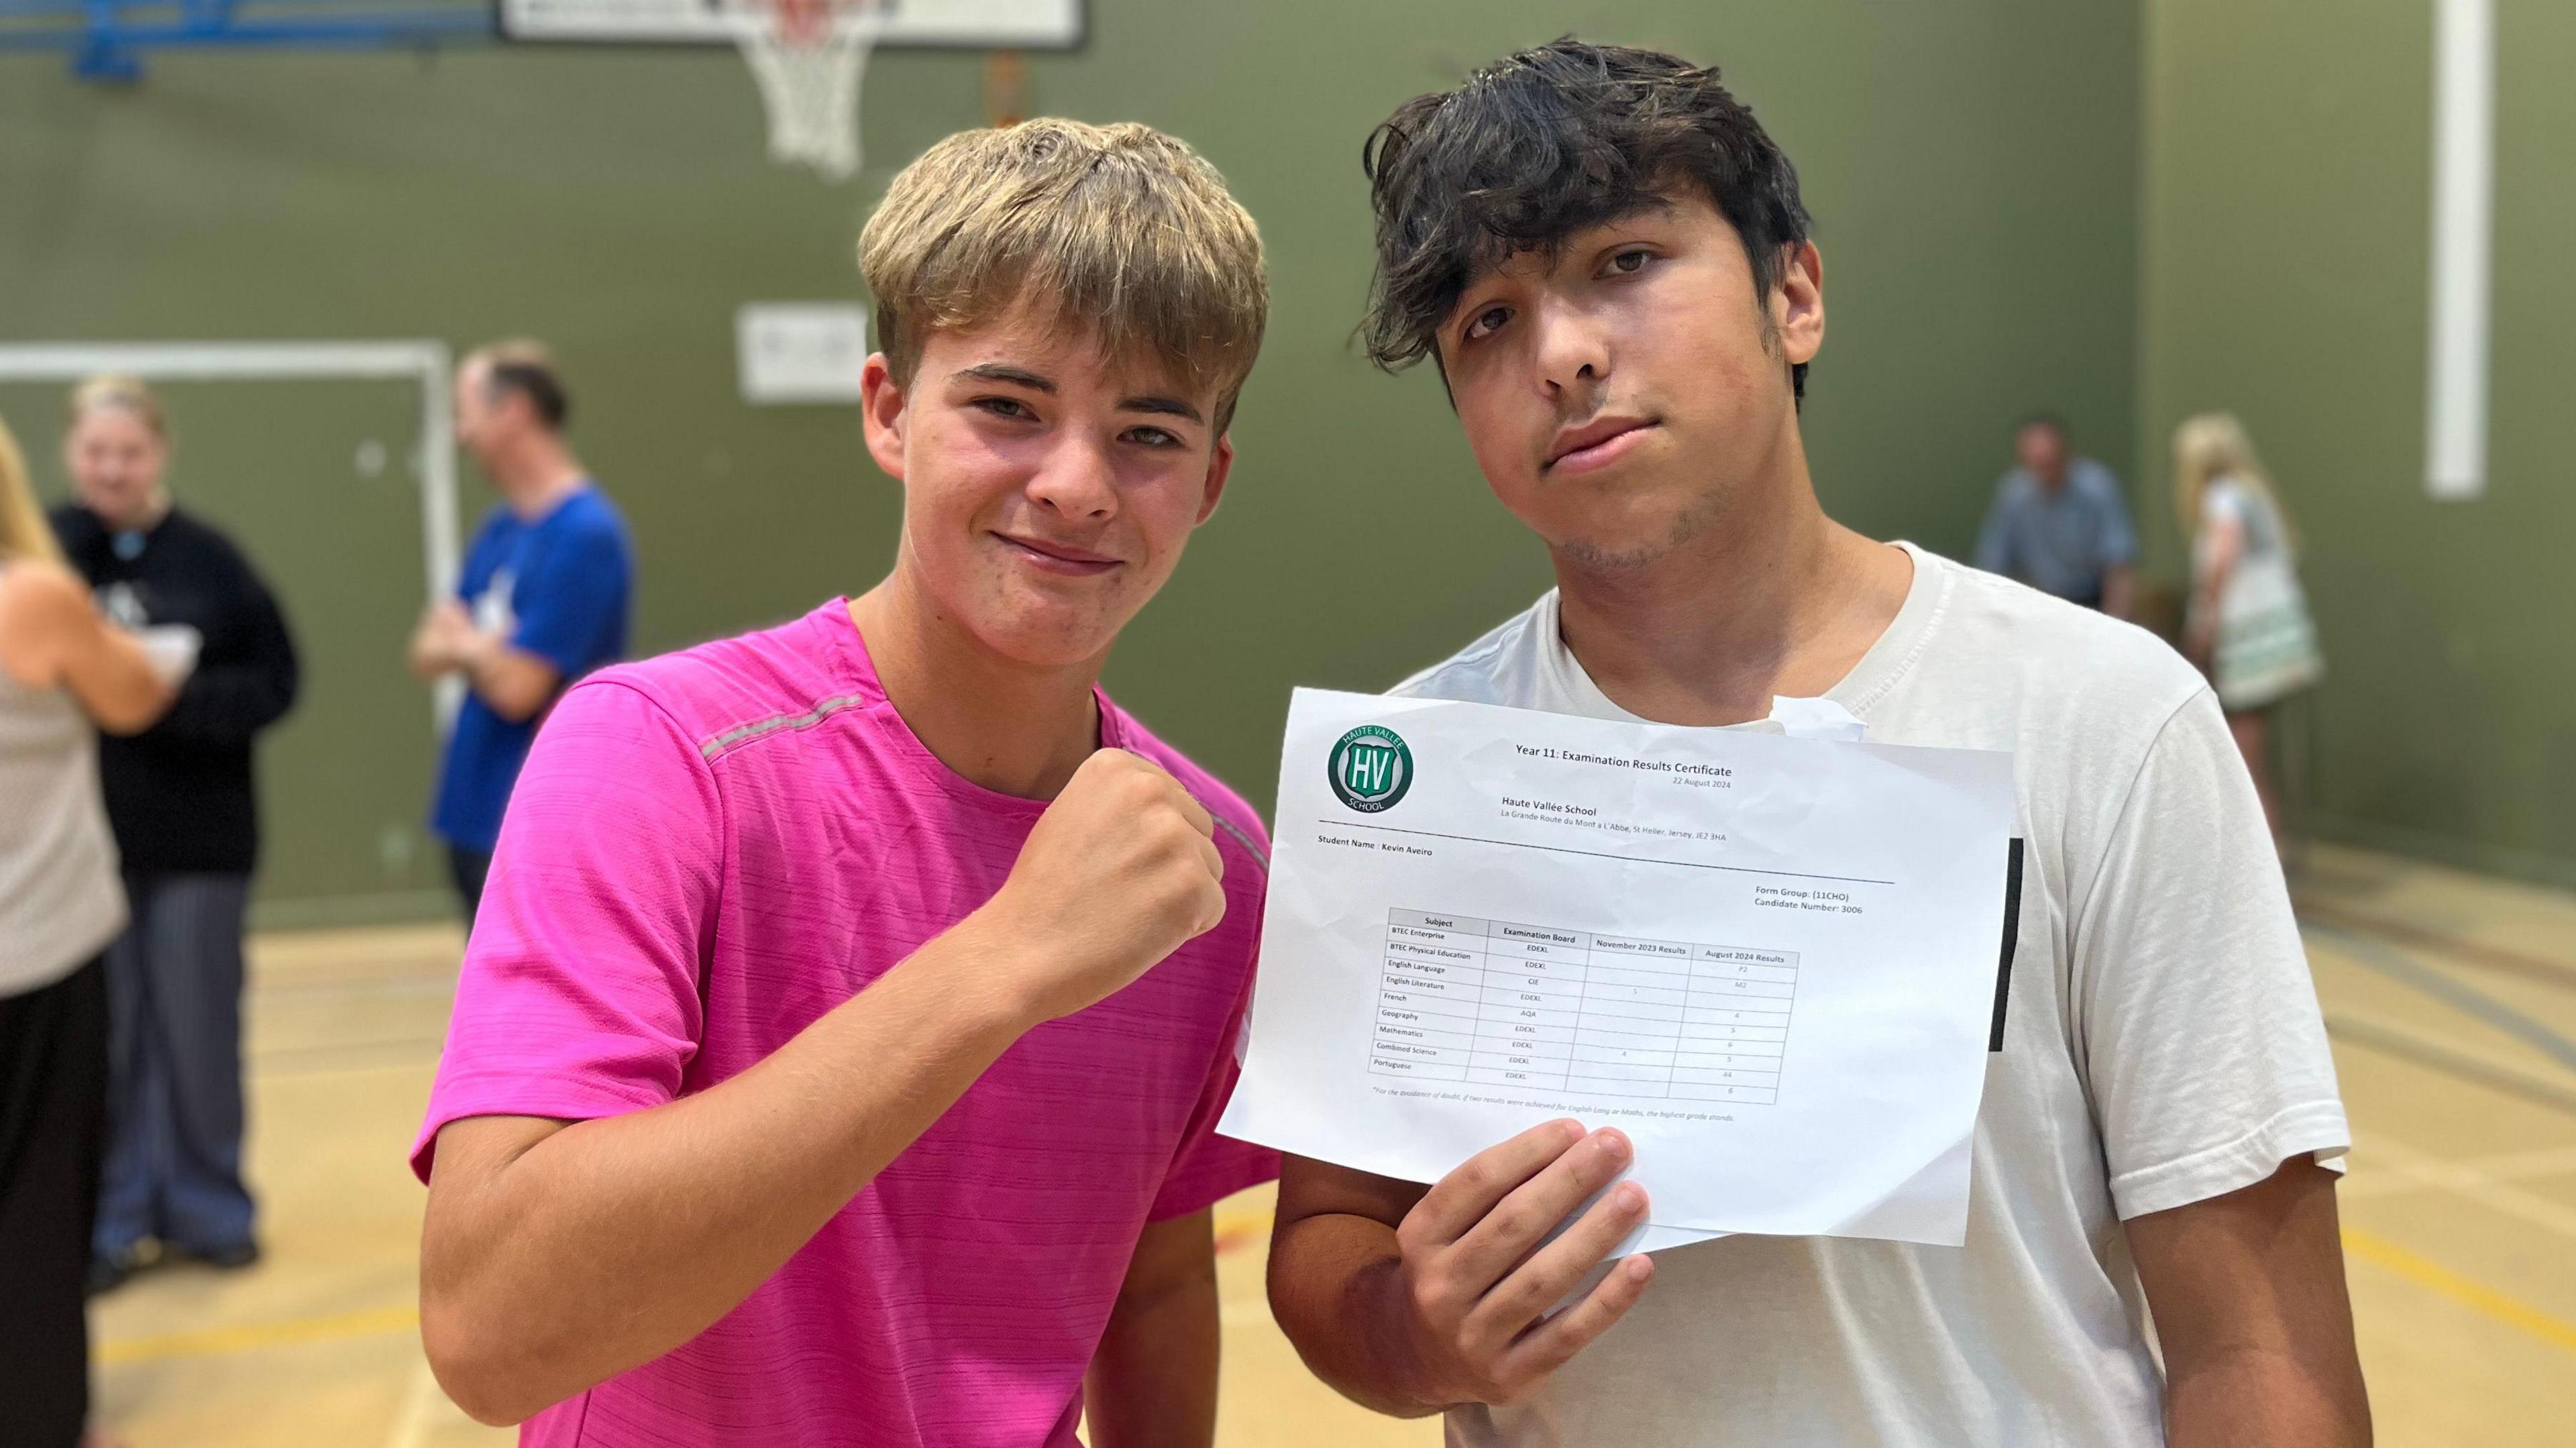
point(1774, 962)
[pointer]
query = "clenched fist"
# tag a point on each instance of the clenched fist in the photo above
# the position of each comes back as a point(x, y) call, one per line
point(1121, 871)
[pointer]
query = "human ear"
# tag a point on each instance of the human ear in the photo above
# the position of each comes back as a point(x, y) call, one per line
point(882, 414)
point(1220, 467)
point(1798, 303)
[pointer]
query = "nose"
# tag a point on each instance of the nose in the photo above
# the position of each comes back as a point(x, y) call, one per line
point(1077, 482)
point(1573, 347)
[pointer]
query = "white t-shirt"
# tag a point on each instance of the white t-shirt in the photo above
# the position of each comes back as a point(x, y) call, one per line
point(2162, 1046)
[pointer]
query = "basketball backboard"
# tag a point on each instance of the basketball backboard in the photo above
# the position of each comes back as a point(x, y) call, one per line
point(809, 56)
point(955, 24)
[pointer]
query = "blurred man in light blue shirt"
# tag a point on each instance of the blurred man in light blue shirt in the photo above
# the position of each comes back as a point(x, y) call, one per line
point(2059, 523)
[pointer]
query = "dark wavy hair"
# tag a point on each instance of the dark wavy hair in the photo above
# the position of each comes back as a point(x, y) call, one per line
point(1548, 142)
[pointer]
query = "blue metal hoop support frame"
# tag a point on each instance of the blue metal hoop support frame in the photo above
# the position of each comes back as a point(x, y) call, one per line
point(106, 40)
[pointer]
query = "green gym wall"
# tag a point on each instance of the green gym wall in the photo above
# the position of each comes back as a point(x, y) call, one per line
point(2021, 204)
point(2283, 264)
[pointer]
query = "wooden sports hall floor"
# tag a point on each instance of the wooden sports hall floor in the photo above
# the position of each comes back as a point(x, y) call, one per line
point(2452, 999)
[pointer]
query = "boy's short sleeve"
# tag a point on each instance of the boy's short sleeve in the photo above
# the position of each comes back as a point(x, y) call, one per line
point(2203, 1045)
point(1208, 1168)
point(569, 609)
point(578, 997)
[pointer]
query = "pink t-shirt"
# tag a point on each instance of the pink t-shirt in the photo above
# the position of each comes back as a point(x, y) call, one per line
point(709, 850)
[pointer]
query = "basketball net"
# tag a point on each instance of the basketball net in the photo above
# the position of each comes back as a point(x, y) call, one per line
point(809, 57)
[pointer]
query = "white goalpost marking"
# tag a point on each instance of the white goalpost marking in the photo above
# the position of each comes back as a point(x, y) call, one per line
point(2455, 410)
point(423, 362)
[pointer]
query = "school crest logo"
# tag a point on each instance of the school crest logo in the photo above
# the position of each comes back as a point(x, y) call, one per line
point(1370, 768)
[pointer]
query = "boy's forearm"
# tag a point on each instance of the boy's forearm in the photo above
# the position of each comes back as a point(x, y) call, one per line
point(2256, 1396)
point(607, 1243)
point(2247, 1292)
point(1330, 1279)
point(1153, 1380)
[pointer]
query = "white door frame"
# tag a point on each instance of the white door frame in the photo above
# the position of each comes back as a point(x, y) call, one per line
point(425, 362)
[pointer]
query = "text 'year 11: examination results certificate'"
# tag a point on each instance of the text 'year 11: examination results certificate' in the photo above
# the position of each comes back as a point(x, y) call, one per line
point(1772, 961)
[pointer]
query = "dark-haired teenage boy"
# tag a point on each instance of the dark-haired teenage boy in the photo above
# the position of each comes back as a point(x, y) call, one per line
point(1608, 259)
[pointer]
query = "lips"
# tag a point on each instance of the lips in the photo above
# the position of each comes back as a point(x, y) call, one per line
point(1597, 441)
point(1054, 557)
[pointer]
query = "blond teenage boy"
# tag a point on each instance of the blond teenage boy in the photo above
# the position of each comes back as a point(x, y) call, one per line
point(838, 1051)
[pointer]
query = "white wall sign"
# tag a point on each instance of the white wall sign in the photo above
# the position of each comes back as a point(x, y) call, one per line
point(800, 351)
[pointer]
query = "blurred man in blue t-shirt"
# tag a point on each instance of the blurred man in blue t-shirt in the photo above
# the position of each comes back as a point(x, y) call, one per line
point(2059, 523)
point(541, 602)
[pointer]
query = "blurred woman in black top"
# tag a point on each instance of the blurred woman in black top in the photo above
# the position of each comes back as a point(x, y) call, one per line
point(181, 801)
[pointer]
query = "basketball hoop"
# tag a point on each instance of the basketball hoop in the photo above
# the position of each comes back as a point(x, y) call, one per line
point(809, 57)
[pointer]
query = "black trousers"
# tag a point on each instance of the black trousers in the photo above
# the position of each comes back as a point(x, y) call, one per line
point(53, 1128)
point(469, 868)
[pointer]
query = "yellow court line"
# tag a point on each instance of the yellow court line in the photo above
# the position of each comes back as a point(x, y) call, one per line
point(2375, 1250)
point(2435, 1278)
point(250, 1336)
point(1234, 1229)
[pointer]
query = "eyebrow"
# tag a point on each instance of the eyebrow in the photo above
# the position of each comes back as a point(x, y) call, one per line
point(1004, 372)
point(1162, 406)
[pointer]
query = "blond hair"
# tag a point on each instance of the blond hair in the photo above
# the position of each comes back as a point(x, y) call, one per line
point(1120, 229)
point(524, 365)
point(2211, 446)
point(514, 351)
point(130, 395)
point(24, 533)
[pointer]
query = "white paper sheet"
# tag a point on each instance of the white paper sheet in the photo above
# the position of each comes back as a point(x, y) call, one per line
point(1770, 960)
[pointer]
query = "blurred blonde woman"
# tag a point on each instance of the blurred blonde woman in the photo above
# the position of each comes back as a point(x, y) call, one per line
point(2248, 626)
point(183, 807)
point(63, 669)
